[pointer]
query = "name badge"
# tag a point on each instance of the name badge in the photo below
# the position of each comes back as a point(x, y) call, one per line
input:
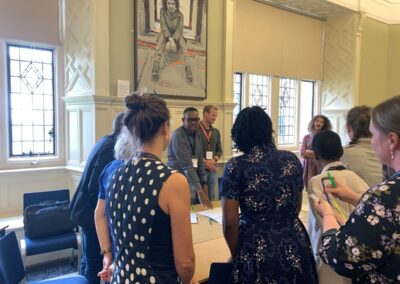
point(209, 155)
point(194, 162)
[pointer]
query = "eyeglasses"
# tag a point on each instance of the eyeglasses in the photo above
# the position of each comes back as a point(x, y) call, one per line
point(196, 119)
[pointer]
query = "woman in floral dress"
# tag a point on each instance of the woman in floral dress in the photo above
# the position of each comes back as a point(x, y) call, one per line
point(367, 247)
point(268, 242)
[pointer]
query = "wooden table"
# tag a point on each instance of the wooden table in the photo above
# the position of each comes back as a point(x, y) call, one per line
point(209, 244)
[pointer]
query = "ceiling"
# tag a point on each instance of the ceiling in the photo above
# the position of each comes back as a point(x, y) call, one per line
point(319, 9)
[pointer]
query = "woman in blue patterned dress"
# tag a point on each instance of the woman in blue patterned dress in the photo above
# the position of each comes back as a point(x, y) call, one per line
point(367, 247)
point(268, 242)
point(148, 204)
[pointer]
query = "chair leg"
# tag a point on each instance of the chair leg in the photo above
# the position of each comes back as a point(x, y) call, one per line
point(23, 251)
point(72, 258)
point(79, 250)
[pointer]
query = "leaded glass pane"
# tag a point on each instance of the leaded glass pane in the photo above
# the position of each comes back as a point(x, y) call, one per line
point(13, 52)
point(17, 148)
point(31, 96)
point(287, 111)
point(260, 89)
point(237, 93)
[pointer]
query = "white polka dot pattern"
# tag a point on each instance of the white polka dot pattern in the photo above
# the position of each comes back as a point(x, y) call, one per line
point(131, 202)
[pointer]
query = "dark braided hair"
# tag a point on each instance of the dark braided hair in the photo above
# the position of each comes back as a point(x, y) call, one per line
point(252, 127)
point(145, 115)
point(358, 119)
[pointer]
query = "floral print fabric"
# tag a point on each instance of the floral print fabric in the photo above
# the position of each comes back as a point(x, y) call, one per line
point(273, 244)
point(367, 247)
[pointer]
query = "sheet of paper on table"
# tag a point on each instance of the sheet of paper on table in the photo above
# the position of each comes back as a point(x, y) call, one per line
point(214, 214)
point(193, 218)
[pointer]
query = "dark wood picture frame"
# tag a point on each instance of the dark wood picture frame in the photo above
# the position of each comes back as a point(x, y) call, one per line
point(170, 48)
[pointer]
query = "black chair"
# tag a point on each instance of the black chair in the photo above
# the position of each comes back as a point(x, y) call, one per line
point(220, 273)
point(65, 240)
point(12, 269)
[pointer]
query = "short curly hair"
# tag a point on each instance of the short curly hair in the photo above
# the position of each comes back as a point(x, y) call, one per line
point(252, 127)
point(327, 123)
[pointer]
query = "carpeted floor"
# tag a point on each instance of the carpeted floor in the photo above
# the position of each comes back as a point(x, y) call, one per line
point(50, 269)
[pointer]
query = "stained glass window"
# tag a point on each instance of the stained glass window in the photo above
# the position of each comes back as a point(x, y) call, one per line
point(260, 91)
point(31, 101)
point(237, 93)
point(287, 111)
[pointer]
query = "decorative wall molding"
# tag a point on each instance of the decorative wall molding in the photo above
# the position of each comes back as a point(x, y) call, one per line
point(90, 100)
point(387, 11)
point(339, 62)
point(78, 46)
point(341, 68)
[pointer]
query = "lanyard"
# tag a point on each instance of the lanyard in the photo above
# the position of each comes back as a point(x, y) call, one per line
point(336, 168)
point(207, 134)
point(192, 145)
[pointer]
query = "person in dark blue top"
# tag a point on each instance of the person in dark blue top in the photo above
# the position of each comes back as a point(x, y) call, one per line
point(268, 242)
point(148, 204)
point(102, 227)
point(85, 199)
point(123, 151)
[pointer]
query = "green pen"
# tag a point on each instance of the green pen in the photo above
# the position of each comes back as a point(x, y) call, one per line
point(335, 204)
point(331, 179)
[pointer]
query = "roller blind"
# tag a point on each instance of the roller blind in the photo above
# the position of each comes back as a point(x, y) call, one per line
point(272, 41)
point(30, 20)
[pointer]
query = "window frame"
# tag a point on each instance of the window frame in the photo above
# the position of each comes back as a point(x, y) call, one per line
point(20, 162)
point(11, 154)
point(274, 104)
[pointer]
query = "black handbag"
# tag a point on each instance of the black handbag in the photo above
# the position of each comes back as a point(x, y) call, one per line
point(47, 218)
point(220, 273)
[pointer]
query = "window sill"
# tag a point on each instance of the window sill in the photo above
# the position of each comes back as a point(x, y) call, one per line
point(28, 170)
point(31, 163)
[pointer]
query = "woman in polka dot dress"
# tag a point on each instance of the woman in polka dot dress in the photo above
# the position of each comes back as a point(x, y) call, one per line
point(149, 204)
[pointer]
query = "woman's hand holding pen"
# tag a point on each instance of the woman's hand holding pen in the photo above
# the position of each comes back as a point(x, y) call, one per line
point(343, 192)
point(324, 209)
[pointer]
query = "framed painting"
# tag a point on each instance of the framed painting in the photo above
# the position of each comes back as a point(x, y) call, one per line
point(170, 48)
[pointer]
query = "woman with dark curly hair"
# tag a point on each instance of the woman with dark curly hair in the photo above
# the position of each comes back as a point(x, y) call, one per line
point(358, 156)
point(310, 168)
point(268, 242)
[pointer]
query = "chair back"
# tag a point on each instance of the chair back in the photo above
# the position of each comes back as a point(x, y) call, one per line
point(220, 273)
point(37, 197)
point(12, 269)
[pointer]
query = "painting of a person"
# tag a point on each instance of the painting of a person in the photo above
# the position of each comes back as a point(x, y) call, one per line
point(171, 38)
